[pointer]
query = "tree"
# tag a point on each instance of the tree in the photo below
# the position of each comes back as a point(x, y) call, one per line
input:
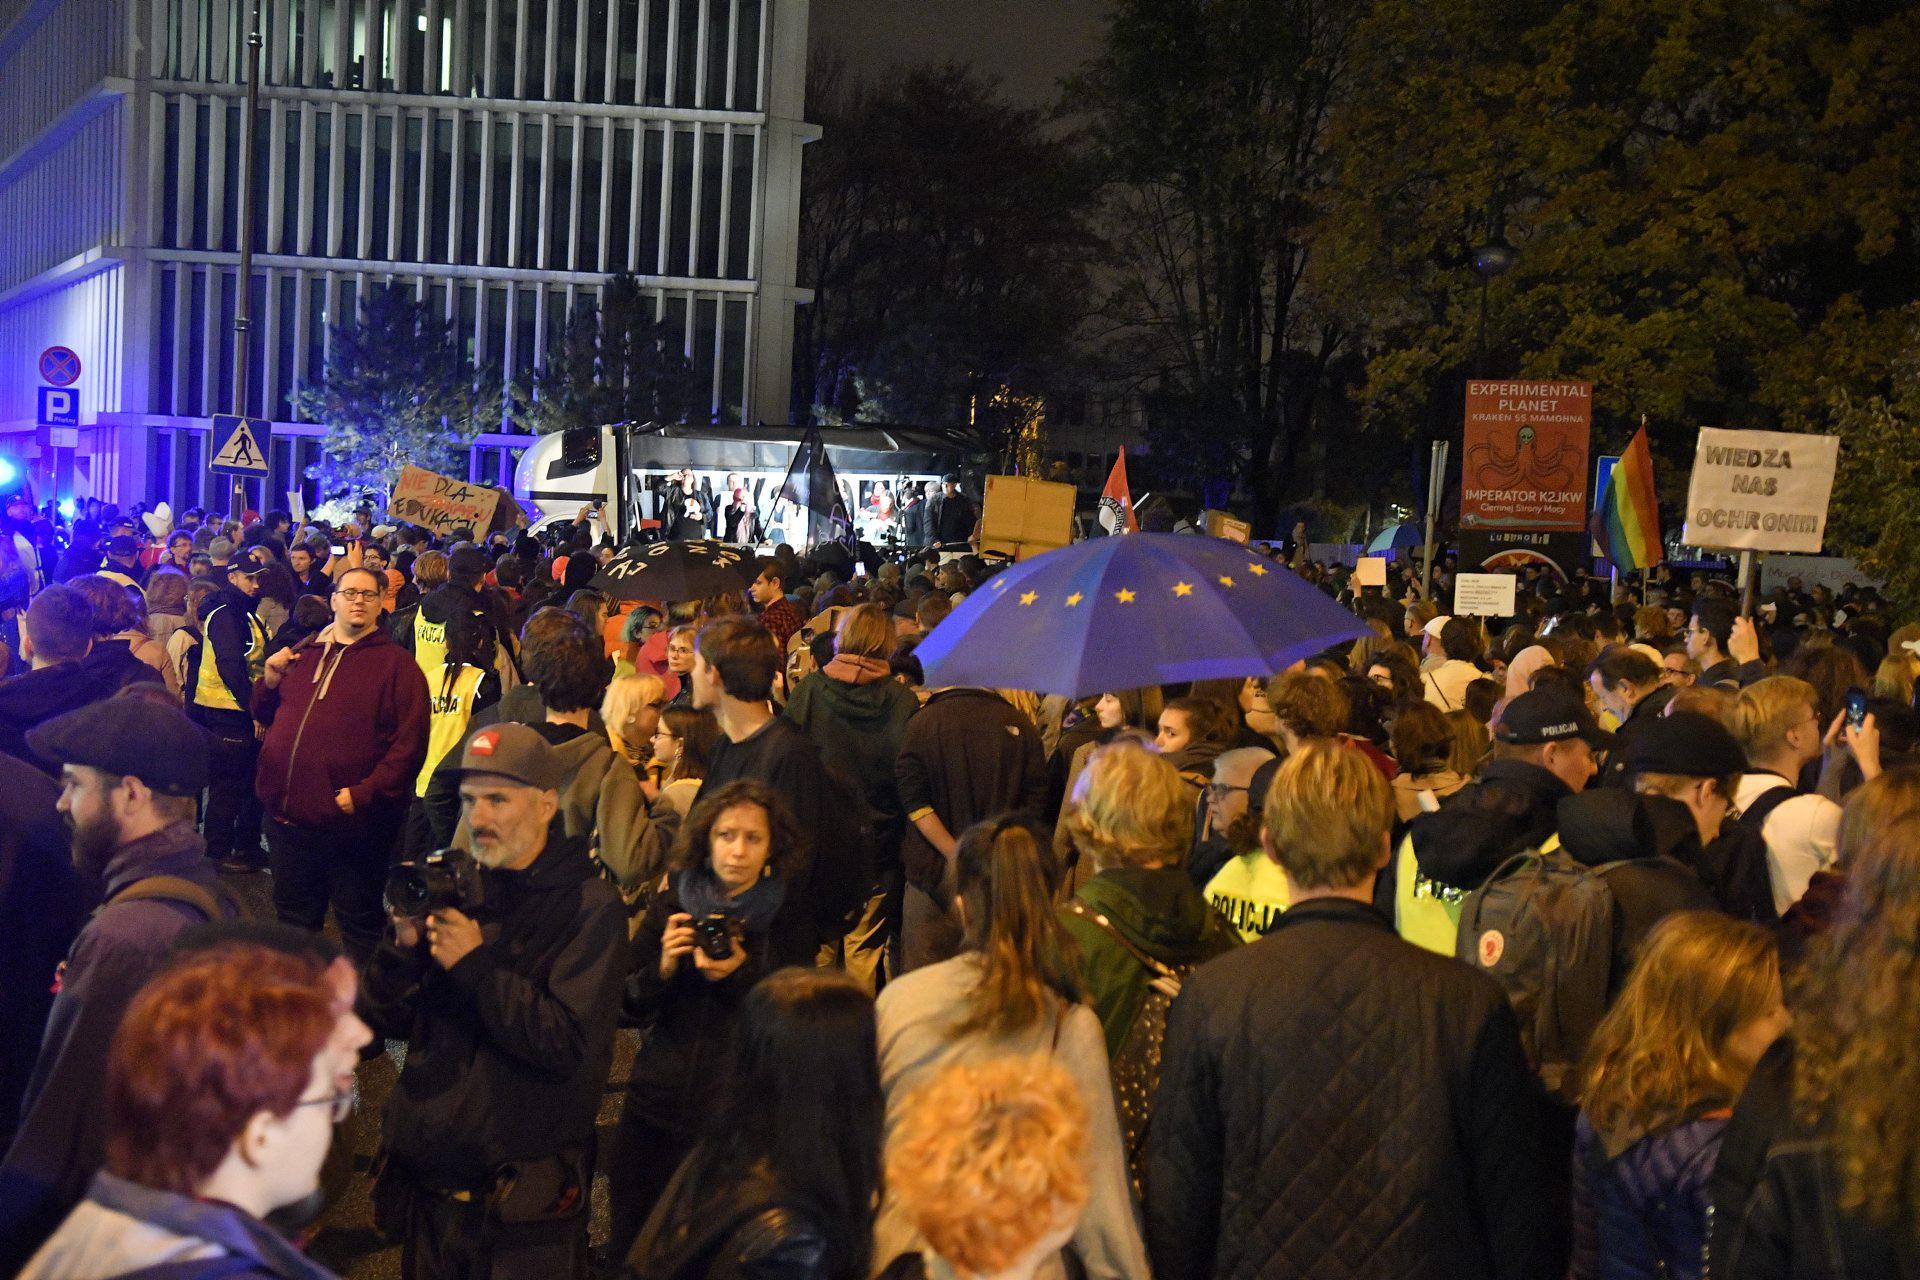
point(1212, 116)
point(397, 391)
point(946, 235)
point(1713, 204)
point(1873, 516)
point(615, 363)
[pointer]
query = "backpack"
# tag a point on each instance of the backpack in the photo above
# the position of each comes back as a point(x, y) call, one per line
point(1542, 927)
point(1136, 1067)
point(177, 889)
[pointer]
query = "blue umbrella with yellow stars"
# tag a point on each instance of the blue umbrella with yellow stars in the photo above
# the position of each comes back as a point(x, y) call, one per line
point(1126, 612)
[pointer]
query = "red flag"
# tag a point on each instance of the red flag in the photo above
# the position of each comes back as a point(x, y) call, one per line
point(1116, 500)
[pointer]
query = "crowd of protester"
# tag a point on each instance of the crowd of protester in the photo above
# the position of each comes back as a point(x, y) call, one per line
point(1581, 942)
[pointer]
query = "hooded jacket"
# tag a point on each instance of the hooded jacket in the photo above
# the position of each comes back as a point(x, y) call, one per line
point(857, 714)
point(508, 1051)
point(1645, 712)
point(1158, 911)
point(34, 697)
point(349, 716)
point(1651, 842)
point(1642, 1210)
point(122, 1228)
point(63, 1130)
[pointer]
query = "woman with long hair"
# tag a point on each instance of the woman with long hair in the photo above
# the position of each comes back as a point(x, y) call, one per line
point(1423, 745)
point(1662, 1073)
point(166, 604)
point(787, 1169)
point(1014, 991)
point(682, 743)
point(722, 919)
point(1819, 1172)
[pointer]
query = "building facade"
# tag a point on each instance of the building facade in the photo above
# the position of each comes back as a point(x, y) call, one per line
point(499, 157)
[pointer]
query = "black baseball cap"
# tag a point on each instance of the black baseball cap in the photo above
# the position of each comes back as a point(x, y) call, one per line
point(1685, 743)
point(137, 733)
point(1547, 715)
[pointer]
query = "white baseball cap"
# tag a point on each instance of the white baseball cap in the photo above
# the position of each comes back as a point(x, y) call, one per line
point(1433, 628)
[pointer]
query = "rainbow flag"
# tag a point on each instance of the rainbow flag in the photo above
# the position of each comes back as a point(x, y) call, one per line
point(1626, 521)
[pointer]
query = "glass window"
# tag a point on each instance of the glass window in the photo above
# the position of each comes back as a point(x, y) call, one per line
point(592, 180)
point(471, 192)
point(257, 340)
point(626, 59)
point(559, 198)
point(328, 47)
point(506, 20)
point(740, 216)
point(195, 400)
point(161, 343)
point(686, 53)
point(440, 227)
point(657, 51)
point(566, 48)
point(262, 170)
point(526, 323)
point(534, 44)
point(229, 238)
point(383, 208)
point(527, 239)
point(170, 180)
point(466, 304)
point(221, 392)
point(317, 321)
point(414, 73)
point(712, 171)
point(719, 41)
point(680, 222)
point(600, 43)
point(652, 229)
point(286, 309)
point(411, 160)
point(500, 184)
point(620, 201)
point(350, 188)
point(319, 242)
point(356, 45)
point(706, 321)
point(496, 349)
point(202, 175)
point(290, 184)
point(746, 58)
point(733, 360)
point(296, 39)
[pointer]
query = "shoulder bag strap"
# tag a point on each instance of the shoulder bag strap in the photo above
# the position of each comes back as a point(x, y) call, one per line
point(170, 889)
point(1152, 966)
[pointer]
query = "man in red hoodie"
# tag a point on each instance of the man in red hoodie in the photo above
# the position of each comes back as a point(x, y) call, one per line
point(346, 716)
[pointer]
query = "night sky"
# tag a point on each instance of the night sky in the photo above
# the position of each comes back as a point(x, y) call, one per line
point(1028, 44)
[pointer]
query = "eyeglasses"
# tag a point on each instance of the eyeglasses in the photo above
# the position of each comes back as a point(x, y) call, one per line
point(342, 1102)
point(351, 595)
point(1221, 790)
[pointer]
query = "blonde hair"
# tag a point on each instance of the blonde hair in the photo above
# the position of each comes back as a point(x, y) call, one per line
point(1767, 710)
point(1471, 741)
point(1661, 1051)
point(1893, 679)
point(1709, 700)
point(988, 1160)
point(1130, 807)
point(1327, 816)
point(623, 697)
point(865, 631)
point(1857, 1007)
point(430, 569)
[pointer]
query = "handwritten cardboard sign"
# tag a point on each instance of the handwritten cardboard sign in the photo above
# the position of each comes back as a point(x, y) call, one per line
point(442, 505)
point(1760, 490)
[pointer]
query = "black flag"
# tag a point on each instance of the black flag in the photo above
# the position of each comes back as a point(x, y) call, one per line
point(810, 485)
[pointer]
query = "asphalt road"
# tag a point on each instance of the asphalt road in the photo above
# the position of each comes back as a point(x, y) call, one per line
point(346, 1241)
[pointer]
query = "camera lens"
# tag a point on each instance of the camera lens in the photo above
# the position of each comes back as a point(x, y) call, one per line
point(407, 892)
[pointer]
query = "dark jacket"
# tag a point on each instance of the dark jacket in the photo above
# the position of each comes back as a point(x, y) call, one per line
point(63, 1129)
point(951, 518)
point(42, 905)
point(457, 606)
point(227, 634)
point(859, 729)
point(172, 1224)
point(1733, 675)
point(508, 1051)
point(1336, 1102)
point(732, 1226)
point(1641, 1213)
point(352, 716)
point(1645, 712)
point(968, 754)
point(689, 1019)
point(1510, 807)
point(1774, 1189)
point(110, 665)
point(33, 697)
point(837, 874)
point(1158, 911)
point(1651, 840)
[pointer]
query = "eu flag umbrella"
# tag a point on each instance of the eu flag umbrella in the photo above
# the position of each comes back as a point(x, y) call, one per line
point(1122, 613)
point(1396, 537)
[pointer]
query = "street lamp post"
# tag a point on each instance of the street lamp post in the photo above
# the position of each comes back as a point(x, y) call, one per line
point(1493, 258)
point(243, 291)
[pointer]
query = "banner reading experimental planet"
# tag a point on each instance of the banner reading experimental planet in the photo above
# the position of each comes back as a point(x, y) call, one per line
point(1524, 461)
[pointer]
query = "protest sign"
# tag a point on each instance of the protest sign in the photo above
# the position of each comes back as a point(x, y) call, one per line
point(441, 505)
point(1524, 464)
point(1835, 573)
point(1483, 595)
point(1370, 571)
point(1760, 490)
point(1221, 525)
point(1023, 517)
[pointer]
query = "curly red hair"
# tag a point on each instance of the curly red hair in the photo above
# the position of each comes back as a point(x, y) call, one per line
point(213, 1040)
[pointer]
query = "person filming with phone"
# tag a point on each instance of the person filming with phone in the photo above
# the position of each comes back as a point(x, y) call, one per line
point(726, 917)
point(502, 971)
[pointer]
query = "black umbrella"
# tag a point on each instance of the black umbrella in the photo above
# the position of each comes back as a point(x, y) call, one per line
point(673, 571)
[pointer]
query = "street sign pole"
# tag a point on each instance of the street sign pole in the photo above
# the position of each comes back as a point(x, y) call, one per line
point(1436, 486)
point(243, 292)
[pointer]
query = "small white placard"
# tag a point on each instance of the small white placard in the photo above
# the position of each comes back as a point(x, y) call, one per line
point(1483, 595)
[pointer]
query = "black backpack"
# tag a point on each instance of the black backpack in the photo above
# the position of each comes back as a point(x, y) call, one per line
point(1542, 927)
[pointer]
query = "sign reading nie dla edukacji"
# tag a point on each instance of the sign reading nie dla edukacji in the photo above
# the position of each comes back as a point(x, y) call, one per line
point(442, 505)
point(1760, 490)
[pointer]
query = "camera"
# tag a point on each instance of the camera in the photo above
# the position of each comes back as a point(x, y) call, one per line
point(443, 878)
point(713, 935)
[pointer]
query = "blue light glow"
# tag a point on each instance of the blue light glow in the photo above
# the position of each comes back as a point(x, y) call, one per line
point(8, 472)
point(67, 508)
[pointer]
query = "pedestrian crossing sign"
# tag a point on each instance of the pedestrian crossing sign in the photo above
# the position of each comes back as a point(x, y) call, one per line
point(240, 445)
